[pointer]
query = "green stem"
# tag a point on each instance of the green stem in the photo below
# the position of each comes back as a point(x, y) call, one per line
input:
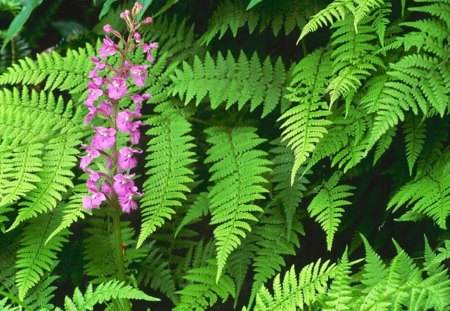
point(120, 262)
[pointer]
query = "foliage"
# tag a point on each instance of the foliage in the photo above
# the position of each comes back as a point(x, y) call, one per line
point(275, 176)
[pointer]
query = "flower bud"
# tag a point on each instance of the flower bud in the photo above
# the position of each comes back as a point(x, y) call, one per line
point(107, 28)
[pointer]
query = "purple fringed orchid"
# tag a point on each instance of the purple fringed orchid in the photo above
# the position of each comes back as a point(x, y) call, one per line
point(107, 86)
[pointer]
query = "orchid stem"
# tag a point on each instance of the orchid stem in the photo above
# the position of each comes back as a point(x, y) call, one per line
point(120, 263)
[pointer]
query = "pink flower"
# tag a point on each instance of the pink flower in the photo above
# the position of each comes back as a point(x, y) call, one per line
point(137, 37)
point(147, 48)
point(108, 48)
point(126, 159)
point(135, 134)
point(139, 73)
point(126, 201)
point(137, 98)
point(105, 108)
point(93, 201)
point(106, 188)
point(127, 204)
point(107, 28)
point(122, 183)
point(89, 157)
point(94, 92)
point(98, 64)
point(92, 180)
point(92, 113)
point(105, 138)
point(117, 88)
point(148, 20)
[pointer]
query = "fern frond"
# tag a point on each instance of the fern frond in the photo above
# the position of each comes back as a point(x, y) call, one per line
point(305, 123)
point(72, 211)
point(198, 209)
point(154, 271)
point(429, 194)
point(296, 292)
point(67, 72)
point(354, 57)
point(202, 290)
point(340, 296)
point(237, 172)
point(288, 195)
point(58, 160)
point(233, 16)
point(229, 81)
point(35, 256)
point(364, 8)
point(326, 207)
point(273, 243)
point(102, 293)
point(419, 81)
point(414, 131)
point(169, 157)
point(335, 11)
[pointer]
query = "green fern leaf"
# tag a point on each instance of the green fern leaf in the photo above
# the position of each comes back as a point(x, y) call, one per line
point(35, 256)
point(326, 207)
point(202, 290)
point(288, 195)
point(305, 123)
point(296, 292)
point(102, 293)
point(414, 131)
point(273, 243)
point(237, 173)
point(227, 81)
point(58, 72)
point(428, 195)
point(168, 158)
point(335, 11)
point(233, 16)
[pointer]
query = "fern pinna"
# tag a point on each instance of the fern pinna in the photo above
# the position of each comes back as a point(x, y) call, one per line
point(231, 155)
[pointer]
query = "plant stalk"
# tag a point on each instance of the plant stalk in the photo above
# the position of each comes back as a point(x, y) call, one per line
point(120, 253)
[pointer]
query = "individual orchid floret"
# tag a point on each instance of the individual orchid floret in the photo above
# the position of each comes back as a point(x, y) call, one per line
point(147, 48)
point(92, 113)
point(126, 159)
point(135, 133)
point(92, 180)
point(108, 48)
point(107, 189)
point(122, 183)
point(105, 138)
point(137, 98)
point(94, 92)
point(117, 88)
point(124, 119)
point(93, 201)
point(105, 108)
point(139, 73)
point(126, 201)
point(89, 157)
point(148, 20)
